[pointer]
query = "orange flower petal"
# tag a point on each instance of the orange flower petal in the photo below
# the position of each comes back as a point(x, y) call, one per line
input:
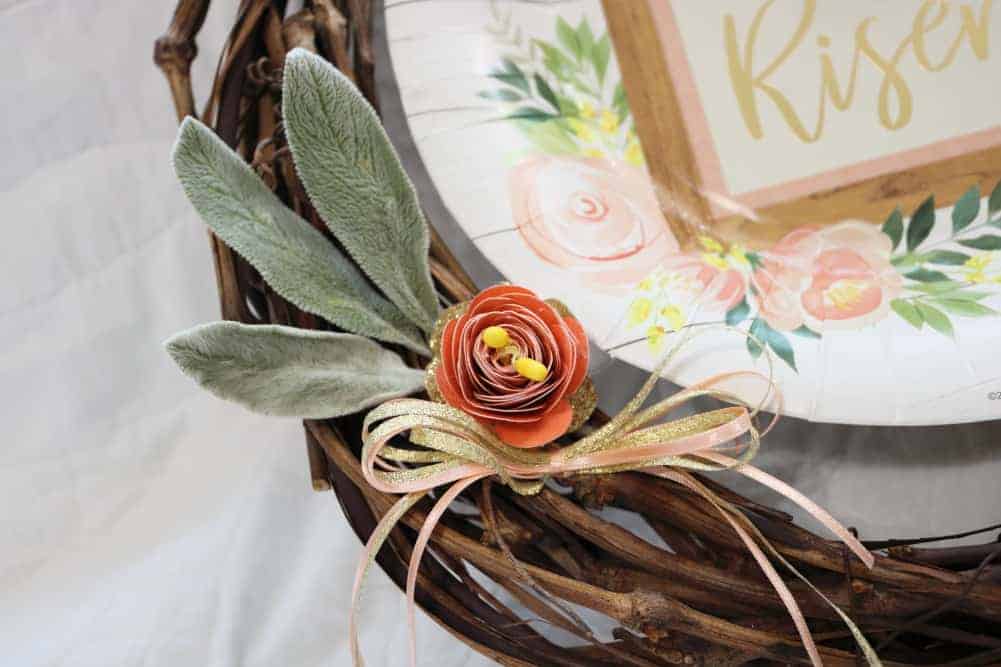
point(550, 426)
point(583, 353)
point(498, 290)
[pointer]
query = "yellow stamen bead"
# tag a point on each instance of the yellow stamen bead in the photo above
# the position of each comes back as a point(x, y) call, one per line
point(495, 337)
point(531, 369)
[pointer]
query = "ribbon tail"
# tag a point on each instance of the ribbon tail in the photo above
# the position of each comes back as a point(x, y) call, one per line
point(815, 510)
point(420, 544)
point(375, 542)
point(798, 619)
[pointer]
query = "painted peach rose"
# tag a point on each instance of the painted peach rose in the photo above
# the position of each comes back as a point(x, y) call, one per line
point(512, 361)
point(836, 277)
point(586, 214)
point(717, 274)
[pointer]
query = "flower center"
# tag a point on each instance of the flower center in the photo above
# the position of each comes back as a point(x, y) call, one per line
point(588, 206)
point(845, 294)
point(509, 354)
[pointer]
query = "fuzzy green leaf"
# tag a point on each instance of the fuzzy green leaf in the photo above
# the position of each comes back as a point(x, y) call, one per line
point(292, 372)
point(966, 209)
point(986, 242)
point(907, 311)
point(935, 318)
point(357, 184)
point(295, 259)
point(894, 227)
point(921, 223)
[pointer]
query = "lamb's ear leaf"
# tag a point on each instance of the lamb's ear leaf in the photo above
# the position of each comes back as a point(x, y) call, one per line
point(356, 182)
point(278, 370)
point(294, 258)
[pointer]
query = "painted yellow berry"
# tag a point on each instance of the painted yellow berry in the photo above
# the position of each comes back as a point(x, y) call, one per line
point(495, 337)
point(609, 121)
point(531, 369)
point(675, 318)
point(639, 311)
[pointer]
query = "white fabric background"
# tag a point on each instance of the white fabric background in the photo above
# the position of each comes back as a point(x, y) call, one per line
point(142, 521)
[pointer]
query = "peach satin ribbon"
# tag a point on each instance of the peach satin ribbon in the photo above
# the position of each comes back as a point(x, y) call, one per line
point(455, 449)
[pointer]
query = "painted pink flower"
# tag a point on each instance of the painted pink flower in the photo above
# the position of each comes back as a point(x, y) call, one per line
point(719, 284)
point(586, 214)
point(836, 277)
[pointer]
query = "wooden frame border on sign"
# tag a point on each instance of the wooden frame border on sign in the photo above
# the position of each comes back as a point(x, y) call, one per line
point(656, 99)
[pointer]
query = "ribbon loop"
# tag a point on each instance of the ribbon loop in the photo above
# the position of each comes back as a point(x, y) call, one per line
point(447, 446)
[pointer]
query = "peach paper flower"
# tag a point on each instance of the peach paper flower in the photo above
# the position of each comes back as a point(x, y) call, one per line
point(586, 214)
point(513, 362)
point(836, 277)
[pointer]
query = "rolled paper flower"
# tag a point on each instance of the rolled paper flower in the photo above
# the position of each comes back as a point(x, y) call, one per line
point(515, 363)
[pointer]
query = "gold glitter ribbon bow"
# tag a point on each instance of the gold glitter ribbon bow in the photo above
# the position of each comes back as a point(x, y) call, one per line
point(450, 447)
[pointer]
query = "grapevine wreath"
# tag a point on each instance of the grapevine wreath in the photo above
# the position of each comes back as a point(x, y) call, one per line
point(457, 426)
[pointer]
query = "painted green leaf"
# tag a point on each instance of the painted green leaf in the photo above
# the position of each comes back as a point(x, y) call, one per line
point(894, 227)
point(921, 223)
point(546, 92)
point(994, 203)
point(567, 107)
point(966, 209)
point(599, 58)
point(753, 346)
point(906, 261)
point(512, 75)
point(946, 257)
point(619, 102)
point(553, 59)
point(548, 135)
point(935, 318)
point(775, 340)
point(738, 313)
point(937, 288)
point(907, 311)
point(963, 307)
point(926, 276)
point(568, 38)
point(586, 39)
point(292, 372)
point(781, 347)
point(805, 332)
point(296, 260)
point(356, 182)
point(529, 113)
point(501, 95)
point(986, 242)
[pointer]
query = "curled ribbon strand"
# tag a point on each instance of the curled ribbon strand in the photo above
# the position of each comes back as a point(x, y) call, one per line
point(453, 448)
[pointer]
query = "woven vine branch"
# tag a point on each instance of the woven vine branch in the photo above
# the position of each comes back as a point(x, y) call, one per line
point(701, 601)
